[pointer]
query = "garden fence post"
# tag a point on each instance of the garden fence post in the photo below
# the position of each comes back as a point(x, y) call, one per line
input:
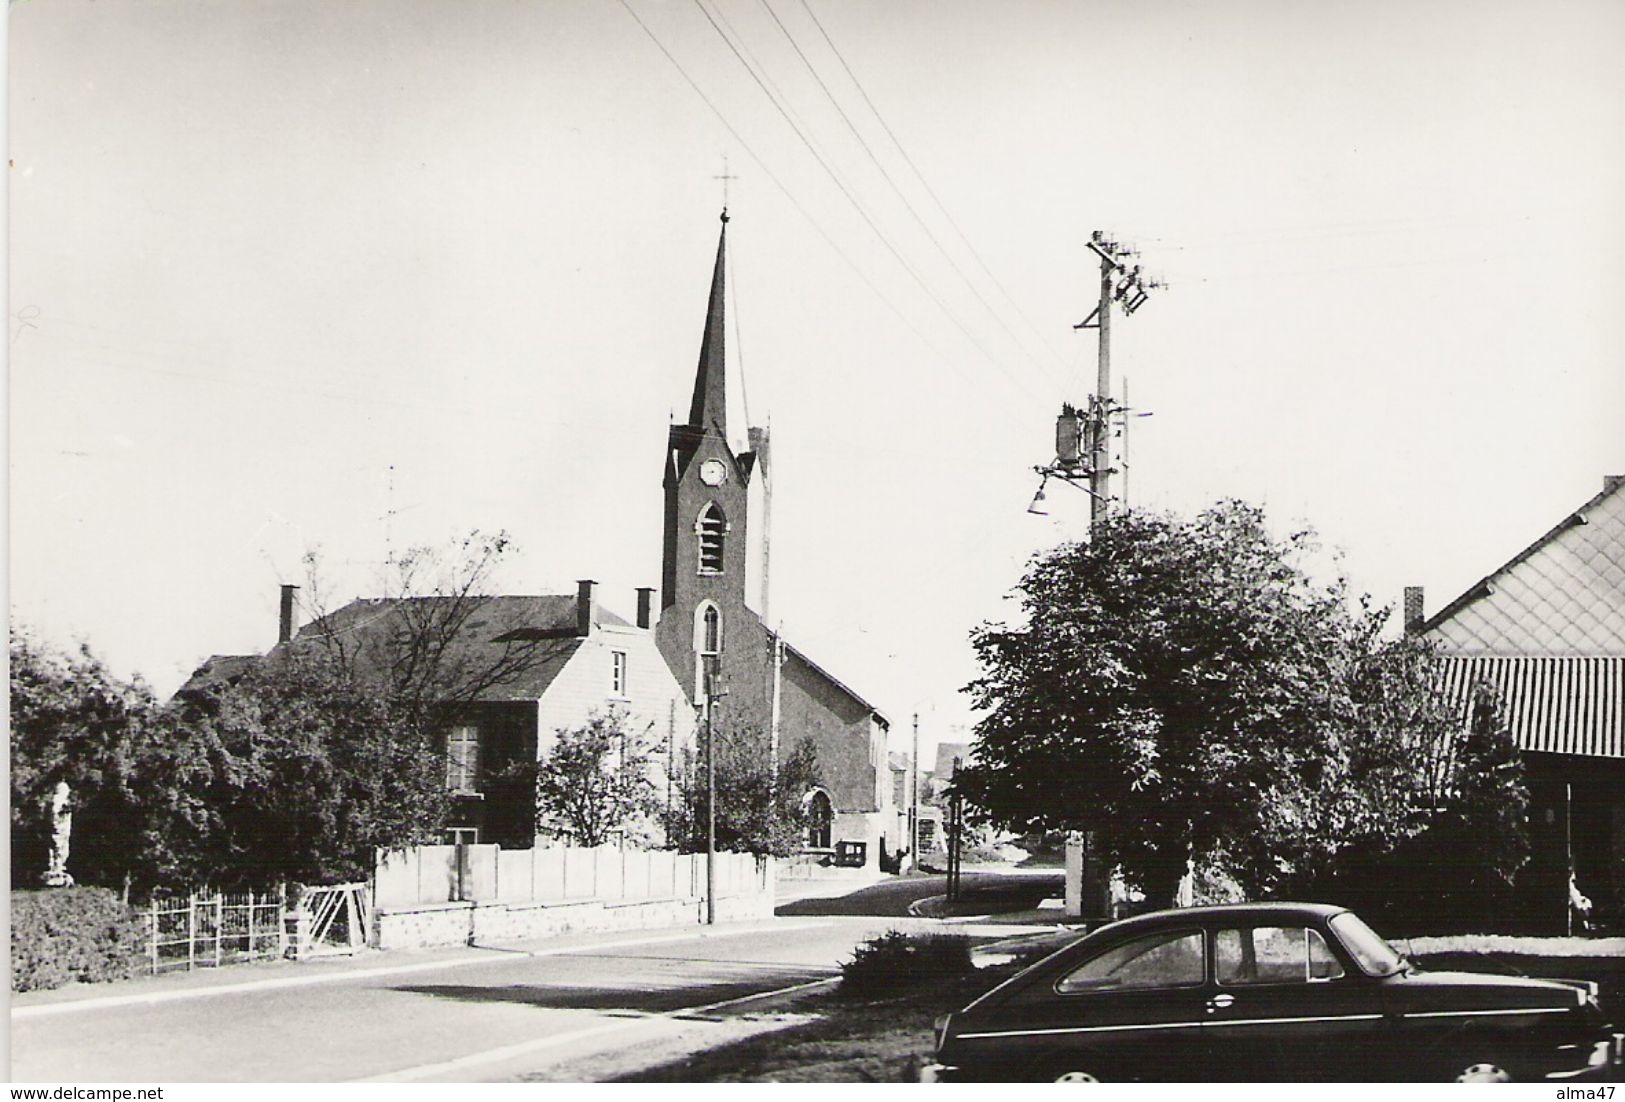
point(191, 930)
point(281, 920)
point(153, 906)
point(219, 927)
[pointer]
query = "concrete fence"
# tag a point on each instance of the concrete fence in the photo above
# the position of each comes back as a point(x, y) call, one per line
point(454, 895)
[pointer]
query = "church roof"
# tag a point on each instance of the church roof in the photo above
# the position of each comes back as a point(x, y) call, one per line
point(1564, 594)
point(838, 684)
point(709, 407)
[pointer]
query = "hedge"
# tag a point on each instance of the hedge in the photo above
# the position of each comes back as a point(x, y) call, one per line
point(62, 935)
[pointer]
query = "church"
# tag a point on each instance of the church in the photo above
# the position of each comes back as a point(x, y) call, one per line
point(754, 683)
point(589, 660)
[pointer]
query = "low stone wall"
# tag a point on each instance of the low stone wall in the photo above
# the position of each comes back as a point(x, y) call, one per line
point(425, 925)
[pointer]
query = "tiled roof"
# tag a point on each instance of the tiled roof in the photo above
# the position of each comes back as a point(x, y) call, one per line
point(219, 669)
point(1564, 594)
point(498, 626)
point(1555, 705)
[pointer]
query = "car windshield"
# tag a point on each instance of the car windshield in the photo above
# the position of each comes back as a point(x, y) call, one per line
point(1374, 955)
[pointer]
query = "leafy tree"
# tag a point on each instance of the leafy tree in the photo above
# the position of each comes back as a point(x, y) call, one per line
point(597, 780)
point(1489, 803)
point(72, 722)
point(295, 771)
point(1173, 680)
point(1389, 763)
point(759, 809)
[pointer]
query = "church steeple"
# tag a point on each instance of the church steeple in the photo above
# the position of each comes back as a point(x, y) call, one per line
point(709, 409)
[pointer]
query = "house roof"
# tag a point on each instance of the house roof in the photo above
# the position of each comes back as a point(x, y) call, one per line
point(533, 635)
point(946, 753)
point(220, 669)
point(1554, 704)
point(1564, 594)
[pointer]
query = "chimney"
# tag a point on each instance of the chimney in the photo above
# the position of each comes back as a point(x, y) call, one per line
point(645, 602)
point(1610, 482)
point(1413, 609)
point(285, 626)
point(584, 607)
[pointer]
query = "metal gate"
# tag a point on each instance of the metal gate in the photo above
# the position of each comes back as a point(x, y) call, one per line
point(329, 920)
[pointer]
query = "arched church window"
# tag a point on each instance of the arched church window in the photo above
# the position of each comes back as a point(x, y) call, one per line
point(712, 528)
point(707, 648)
point(820, 819)
point(711, 631)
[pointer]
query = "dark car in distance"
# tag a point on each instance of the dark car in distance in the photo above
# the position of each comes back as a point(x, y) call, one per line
point(1268, 991)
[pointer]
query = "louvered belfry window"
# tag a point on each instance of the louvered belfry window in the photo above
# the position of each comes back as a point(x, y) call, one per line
point(713, 527)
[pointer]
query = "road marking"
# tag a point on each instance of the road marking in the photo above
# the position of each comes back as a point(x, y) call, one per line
point(105, 1002)
point(524, 1048)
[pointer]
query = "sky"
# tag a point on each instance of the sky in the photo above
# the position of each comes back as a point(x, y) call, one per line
point(290, 275)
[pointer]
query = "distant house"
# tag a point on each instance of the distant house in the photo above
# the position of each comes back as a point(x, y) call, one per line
point(1547, 629)
point(550, 663)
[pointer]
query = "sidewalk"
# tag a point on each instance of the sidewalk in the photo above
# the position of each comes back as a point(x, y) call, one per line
point(265, 975)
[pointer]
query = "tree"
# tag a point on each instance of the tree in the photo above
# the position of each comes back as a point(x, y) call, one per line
point(760, 809)
point(427, 646)
point(596, 780)
point(1173, 681)
point(295, 771)
point(72, 727)
point(1390, 760)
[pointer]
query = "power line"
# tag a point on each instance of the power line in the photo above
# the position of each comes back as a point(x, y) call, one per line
point(794, 202)
point(918, 175)
point(864, 214)
point(887, 176)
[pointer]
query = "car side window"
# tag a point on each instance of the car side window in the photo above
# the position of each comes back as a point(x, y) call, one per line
point(1159, 960)
point(1273, 954)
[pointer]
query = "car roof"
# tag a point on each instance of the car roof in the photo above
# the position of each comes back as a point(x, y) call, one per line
point(1181, 916)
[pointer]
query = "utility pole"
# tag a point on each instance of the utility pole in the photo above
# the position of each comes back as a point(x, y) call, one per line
point(914, 798)
point(1083, 451)
point(1122, 285)
point(710, 792)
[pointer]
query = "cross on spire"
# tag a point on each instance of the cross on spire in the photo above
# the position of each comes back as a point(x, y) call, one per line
point(725, 177)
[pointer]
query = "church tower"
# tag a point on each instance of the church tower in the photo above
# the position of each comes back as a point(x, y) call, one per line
point(703, 615)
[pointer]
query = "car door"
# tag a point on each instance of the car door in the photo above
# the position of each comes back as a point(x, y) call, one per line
point(1284, 1005)
point(1130, 1010)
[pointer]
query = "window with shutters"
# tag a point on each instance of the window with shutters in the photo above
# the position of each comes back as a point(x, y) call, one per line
point(713, 530)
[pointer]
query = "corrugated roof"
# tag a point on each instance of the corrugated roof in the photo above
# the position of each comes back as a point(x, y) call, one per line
point(1554, 705)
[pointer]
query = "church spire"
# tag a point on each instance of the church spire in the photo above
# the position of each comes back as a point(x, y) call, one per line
point(710, 405)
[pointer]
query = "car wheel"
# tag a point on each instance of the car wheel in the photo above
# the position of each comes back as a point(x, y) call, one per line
point(1075, 1077)
point(1485, 1071)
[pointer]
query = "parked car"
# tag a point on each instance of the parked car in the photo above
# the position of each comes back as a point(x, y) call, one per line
point(1268, 991)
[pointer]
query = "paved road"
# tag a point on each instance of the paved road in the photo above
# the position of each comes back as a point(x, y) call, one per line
point(985, 892)
point(463, 1015)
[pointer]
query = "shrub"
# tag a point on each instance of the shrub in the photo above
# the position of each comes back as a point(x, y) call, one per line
point(894, 962)
point(67, 934)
